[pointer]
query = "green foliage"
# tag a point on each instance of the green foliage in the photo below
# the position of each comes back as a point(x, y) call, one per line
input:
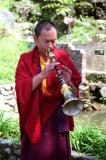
point(85, 30)
point(6, 4)
point(83, 34)
point(67, 2)
point(69, 8)
point(10, 49)
point(57, 9)
point(95, 77)
point(84, 8)
point(9, 127)
point(26, 11)
point(89, 140)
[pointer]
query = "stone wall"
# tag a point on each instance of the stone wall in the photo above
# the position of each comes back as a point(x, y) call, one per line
point(91, 47)
point(95, 57)
point(89, 58)
point(8, 98)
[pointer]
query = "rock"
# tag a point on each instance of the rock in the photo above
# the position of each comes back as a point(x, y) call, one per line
point(97, 106)
point(101, 36)
point(8, 98)
point(7, 19)
point(103, 91)
point(4, 92)
point(96, 91)
point(1, 101)
point(7, 87)
point(12, 103)
point(9, 150)
point(79, 156)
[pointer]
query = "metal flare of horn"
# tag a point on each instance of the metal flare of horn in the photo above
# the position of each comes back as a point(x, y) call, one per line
point(72, 104)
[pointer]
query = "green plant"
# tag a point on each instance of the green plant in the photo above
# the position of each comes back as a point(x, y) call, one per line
point(84, 31)
point(9, 128)
point(89, 140)
point(56, 10)
point(60, 7)
point(26, 11)
point(6, 4)
point(84, 8)
point(10, 50)
point(96, 77)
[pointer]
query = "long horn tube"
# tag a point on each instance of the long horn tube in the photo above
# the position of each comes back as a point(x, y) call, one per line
point(72, 104)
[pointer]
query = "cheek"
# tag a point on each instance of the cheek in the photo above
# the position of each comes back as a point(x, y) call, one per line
point(44, 46)
point(40, 44)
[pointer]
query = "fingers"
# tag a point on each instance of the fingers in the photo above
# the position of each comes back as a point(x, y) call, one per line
point(49, 67)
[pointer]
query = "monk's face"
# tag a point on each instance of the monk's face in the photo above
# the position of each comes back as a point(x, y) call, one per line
point(47, 39)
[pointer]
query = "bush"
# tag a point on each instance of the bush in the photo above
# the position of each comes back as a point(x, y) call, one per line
point(89, 140)
point(26, 11)
point(9, 128)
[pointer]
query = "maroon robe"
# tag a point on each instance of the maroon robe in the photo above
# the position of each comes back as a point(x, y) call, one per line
point(34, 110)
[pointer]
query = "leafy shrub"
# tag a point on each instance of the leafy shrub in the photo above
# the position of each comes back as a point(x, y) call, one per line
point(26, 11)
point(84, 8)
point(9, 128)
point(89, 140)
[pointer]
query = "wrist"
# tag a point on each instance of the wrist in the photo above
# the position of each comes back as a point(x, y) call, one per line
point(42, 76)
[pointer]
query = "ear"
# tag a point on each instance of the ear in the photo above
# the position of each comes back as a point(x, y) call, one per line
point(35, 39)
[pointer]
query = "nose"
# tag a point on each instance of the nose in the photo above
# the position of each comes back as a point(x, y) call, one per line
point(50, 45)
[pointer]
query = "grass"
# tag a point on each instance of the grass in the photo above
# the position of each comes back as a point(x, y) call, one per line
point(84, 31)
point(89, 140)
point(9, 127)
point(6, 4)
point(10, 50)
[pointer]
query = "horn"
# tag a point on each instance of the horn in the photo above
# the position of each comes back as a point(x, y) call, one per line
point(72, 105)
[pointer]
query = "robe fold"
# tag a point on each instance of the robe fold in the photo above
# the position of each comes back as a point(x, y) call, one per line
point(35, 108)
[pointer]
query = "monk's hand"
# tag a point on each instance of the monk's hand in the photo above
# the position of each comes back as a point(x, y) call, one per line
point(66, 72)
point(49, 67)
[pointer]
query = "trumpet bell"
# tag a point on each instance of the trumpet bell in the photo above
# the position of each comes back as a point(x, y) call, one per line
point(72, 107)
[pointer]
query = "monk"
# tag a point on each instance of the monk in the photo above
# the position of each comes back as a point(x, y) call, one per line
point(43, 125)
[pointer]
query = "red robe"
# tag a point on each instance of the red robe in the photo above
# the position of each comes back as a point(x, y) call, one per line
point(33, 115)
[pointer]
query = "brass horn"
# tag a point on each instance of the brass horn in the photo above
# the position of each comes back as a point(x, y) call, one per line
point(72, 104)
